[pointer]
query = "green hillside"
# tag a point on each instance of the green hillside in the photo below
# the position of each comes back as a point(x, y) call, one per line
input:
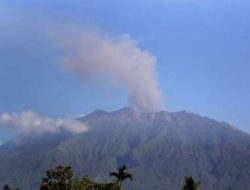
point(160, 149)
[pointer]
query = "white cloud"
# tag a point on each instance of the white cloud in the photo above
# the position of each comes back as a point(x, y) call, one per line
point(28, 121)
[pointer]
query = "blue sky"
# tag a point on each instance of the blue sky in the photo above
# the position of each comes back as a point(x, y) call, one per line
point(202, 50)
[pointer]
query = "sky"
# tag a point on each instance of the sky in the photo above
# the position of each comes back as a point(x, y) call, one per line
point(195, 52)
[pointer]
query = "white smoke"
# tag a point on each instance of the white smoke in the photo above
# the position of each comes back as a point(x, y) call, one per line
point(95, 57)
point(28, 121)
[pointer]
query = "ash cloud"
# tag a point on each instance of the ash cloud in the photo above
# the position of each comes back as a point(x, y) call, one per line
point(29, 122)
point(119, 61)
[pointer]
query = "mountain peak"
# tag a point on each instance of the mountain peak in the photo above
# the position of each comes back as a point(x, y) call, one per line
point(127, 114)
point(125, 110)
point(183, 142)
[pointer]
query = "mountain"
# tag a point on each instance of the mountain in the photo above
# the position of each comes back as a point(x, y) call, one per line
point(159, 149)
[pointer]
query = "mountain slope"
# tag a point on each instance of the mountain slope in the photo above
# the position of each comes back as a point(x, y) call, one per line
point(159, 149)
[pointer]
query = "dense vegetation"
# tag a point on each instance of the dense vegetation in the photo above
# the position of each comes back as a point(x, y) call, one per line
point(190, 184)
point(63, 178)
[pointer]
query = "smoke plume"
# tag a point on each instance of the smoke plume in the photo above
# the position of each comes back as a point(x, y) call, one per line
point(120, 61)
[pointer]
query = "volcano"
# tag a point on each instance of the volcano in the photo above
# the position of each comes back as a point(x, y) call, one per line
point(159, 148)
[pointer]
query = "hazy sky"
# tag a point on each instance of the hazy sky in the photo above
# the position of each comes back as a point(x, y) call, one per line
point(200, 50)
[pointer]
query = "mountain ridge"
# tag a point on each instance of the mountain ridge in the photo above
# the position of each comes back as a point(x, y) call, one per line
point(160, 148)
point(130, 111)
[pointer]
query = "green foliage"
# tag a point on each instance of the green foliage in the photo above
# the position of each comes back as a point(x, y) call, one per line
point(190, 184)
point(121, 175)
point(103, 186)
point(62, 178)
point(81, 184)
point(58, 178)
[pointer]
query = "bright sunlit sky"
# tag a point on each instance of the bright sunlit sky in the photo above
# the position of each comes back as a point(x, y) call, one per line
point(202, 49)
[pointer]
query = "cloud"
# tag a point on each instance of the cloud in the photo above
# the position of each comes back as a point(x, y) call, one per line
point(119, 61)
point(28, 121)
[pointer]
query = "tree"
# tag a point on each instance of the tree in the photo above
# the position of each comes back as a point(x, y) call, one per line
point(191, 184)
point(62, 178)
point(6, 187)
point(122, 175)
point(58, 178)
point(83, 184)
point(87, 184)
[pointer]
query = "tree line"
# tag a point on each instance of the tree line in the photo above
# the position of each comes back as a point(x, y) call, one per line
point(63, 178)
